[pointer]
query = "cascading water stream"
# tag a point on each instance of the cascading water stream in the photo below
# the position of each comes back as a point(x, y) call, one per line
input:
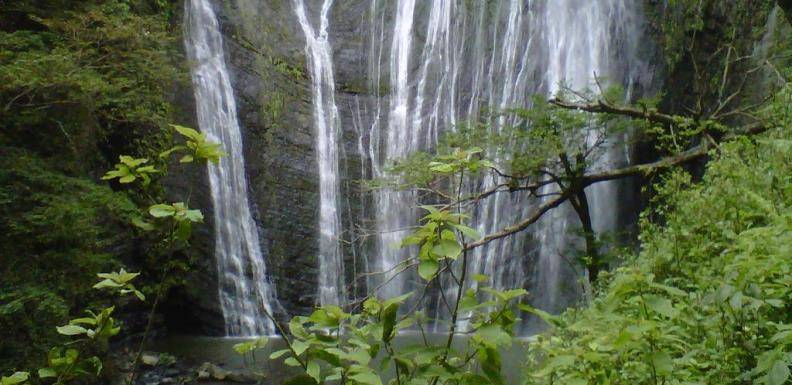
point(245, 290)
point(326, 127)
point(434, 65)
point(474, 57)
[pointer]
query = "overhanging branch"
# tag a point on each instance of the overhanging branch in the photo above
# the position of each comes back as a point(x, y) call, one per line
point(516, 228)
point(603, 107)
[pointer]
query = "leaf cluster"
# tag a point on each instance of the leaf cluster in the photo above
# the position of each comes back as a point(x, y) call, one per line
point(707, 300)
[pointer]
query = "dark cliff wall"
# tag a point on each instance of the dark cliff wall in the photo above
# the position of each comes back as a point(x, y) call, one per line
point(273, 90)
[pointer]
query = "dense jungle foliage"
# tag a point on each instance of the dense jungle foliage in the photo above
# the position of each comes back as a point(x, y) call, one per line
point(707, 300)
point(81, 82)
point(88, 90)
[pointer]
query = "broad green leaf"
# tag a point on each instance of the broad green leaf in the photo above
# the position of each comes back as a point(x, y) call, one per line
point(491, 365)
point(71, 330)
point(778, 374)
point(141, 224)
point(367, 378)
point(314, 371)
point(441, 167)
point(92, 365)
point(244, 347)
point(493, 335)
point(662, 363)
point(291, 361)
point(505, 295)
point(371, 306)
point(357, 355)
point(300, 346)
point(574, 380)
point(447, 248)
point(561, 361)
point(47, 373)
point(775, 302)
point(468, 231)
point(84, 321)
point(16, 378)
point(162, 210)
point(668, 289)
point(172, 150)
point(545, 316)
point(388, 316)
point(324, 318)
point(187, 132)
point(427, 268)
point(277, 354)
point(107, 283)
point(194, 215)
point(396, 300)
point(661, 305)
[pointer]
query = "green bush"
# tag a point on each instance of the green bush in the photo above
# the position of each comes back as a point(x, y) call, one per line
point(56, 233)
point(708, 300)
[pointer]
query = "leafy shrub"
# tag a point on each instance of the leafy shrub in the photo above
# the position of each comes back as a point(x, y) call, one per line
point(56, 233)
point(708, 298)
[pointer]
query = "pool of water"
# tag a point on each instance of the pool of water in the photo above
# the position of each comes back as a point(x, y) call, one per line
point(219, 350)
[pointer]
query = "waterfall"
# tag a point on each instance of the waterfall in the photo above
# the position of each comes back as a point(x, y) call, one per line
point(451, 62)
point(245, 290)
point(326, 128)
point(436, 64)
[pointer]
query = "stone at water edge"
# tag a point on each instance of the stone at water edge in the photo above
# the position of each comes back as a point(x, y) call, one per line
point(150, 358)
point(208, 370)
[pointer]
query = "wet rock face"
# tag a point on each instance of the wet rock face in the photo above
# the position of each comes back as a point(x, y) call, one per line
point(266, 58)
point(195, 307)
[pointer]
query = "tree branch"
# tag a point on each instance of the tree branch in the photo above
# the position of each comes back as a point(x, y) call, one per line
point(516, 228)
point(601, 106)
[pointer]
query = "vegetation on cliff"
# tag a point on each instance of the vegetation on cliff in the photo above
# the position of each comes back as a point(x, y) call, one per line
point(81, 82)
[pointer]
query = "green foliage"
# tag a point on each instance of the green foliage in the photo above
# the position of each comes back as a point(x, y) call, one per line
point(196, 146)
point(67, 362)
point(707, 300)
point(332, 345)
point(16, 378)
point(181, 217)
point(120, 281)
point(437, 239)
point(81, 82)
point(131, 169)
point(56, 232)
point(680, 21)
point(80, 75)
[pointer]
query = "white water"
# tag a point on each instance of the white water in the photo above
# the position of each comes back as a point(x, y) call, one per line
point(446, 62)
point(245, 290)
point(326, 129)
point(470, 57)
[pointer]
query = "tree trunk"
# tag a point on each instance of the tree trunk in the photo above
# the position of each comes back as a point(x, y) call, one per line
point(579, 201)
point(581, 206)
